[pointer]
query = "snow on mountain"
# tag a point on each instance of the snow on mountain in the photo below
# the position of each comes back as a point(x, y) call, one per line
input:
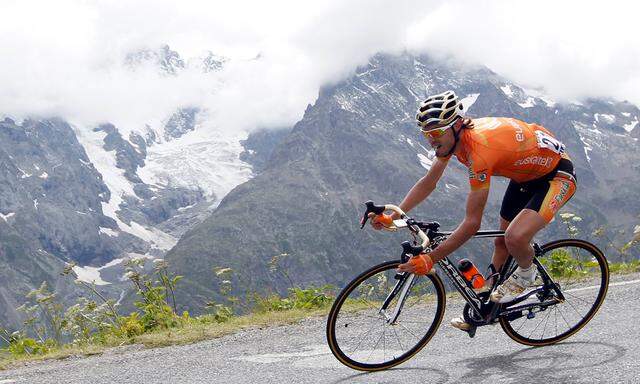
point(199, 160)
point(171, 150)
point(521, 96)
point(210, 62)
point(115, 269)
point(537, 93)
point(606, 118)
point(7, 216)
point(530, 102)
point(119, 187)
point(163, 58)
point(468, 101)
point(506, 89)
point(90, 275)
point(629, 127)
point(205, 160)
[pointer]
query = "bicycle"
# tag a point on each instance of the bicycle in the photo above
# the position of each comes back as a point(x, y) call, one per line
point(382, 318)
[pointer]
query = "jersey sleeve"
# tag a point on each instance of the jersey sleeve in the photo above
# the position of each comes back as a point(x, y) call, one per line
point(480, 171)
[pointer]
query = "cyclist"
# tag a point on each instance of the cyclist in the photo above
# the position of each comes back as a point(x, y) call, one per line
point(542, 181)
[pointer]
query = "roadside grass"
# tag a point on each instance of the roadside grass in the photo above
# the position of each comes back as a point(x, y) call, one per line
point(268, 311)
point(204, 329)
point(625, 268)
point(194, 330)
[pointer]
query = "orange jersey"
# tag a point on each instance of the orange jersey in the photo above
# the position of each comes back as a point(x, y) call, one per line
point(507, 147)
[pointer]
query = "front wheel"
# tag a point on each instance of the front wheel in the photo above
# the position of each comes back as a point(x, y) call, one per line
point(363, 332)
point(582, 274)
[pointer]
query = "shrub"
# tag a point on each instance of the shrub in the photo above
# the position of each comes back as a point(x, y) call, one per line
point(156, 312)
point(298, 298)
point(560, 264)
point(131, 326)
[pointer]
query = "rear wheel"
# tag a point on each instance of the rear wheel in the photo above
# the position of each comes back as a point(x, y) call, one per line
point(361, 334)
point(582, 274)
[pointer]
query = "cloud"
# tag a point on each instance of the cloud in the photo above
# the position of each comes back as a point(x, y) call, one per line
point(573, 49)
point(66, 57)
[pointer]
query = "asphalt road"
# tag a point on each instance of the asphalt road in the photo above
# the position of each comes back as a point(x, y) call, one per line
point(606, 350)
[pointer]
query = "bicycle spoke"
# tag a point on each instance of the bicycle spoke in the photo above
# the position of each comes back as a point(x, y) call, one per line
point(374, 347)
point(577, 297)
point(362, 338)
point(397, 338)
point(361, 335)
point(384, 343)
point(414, 335)
point(522, 323)
point(545, 323)
point(370, 304)
point(563, 318)
point(574, 308)
point(580, 269)
point(534, 329)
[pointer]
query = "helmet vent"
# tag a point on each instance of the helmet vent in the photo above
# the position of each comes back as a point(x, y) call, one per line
point(439, 109)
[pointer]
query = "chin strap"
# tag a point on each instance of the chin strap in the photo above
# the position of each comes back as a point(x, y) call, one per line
point(456, 137)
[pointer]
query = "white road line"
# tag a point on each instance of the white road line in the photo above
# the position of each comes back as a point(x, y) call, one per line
point(312, 350)
point(7, 381)
point(610, 285)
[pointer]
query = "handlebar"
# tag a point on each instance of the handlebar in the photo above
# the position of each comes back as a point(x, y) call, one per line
point(378, 210)
point(402, 222)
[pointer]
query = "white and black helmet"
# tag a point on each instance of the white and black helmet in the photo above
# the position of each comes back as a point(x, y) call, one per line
point(439, 109)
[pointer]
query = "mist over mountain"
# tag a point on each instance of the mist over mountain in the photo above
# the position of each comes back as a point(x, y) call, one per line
point(99, 195)
point(203, 196)
point(359, 142)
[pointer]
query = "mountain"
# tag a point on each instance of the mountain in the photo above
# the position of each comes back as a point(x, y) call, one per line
point(202, 197)
point(98, 195)
point(359, 142)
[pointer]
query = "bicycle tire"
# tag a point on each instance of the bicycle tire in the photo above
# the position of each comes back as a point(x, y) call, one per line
point(581, 269)
point(426, 297)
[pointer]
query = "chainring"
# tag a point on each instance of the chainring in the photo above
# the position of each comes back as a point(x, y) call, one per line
point(470, 315)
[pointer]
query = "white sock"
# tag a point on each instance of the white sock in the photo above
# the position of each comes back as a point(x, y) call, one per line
point(528, 274)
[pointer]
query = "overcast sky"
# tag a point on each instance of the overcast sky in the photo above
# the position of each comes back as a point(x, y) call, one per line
point(65, 57)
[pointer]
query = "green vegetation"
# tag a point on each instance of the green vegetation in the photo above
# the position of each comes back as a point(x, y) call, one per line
point(625, 268)
point(94, 324)
point(564, 265)
point(560, 263)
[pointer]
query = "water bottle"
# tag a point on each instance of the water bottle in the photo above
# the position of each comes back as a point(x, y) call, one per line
point(471, 273)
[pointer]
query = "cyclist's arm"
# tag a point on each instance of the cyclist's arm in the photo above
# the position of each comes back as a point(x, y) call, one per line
point(476, 201)
point(424, 186)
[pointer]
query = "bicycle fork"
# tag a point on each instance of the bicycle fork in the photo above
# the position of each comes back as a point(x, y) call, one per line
point(404, 283)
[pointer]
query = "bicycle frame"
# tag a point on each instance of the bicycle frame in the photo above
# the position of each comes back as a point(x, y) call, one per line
point(485, 309)
point(357, 335)
point(459, 282)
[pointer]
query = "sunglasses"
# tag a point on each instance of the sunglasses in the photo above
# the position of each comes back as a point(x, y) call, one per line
point(436, 132)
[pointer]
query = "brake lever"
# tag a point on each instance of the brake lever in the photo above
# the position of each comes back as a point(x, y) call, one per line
point(371, 208)
point(364, 219)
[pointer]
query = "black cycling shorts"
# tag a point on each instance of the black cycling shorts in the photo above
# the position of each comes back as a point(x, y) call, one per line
point(545, 195)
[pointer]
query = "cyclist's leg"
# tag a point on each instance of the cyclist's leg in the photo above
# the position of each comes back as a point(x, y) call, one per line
point(547, 199)
point(538, 212)
point(520, 233)
point(500, 253)
point(515, 199)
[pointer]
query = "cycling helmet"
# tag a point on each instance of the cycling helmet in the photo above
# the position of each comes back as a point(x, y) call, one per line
point(439, 109)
